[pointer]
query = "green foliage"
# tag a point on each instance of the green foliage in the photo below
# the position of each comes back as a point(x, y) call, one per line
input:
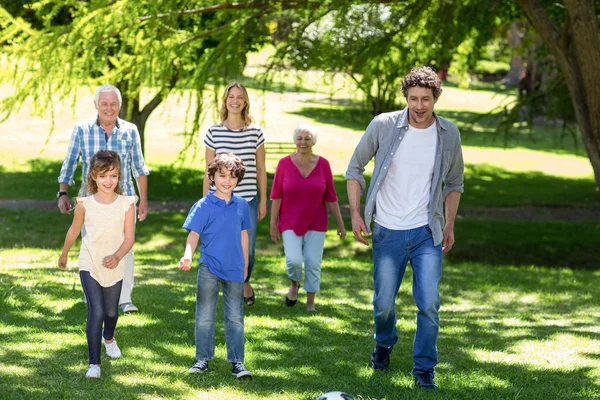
point(65, 45)
point(486, 67)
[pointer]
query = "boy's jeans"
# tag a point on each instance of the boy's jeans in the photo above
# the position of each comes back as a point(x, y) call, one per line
point(392, 249)
point(206, 311)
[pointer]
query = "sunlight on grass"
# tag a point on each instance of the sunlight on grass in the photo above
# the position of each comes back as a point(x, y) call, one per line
point(561, 351)
point(518, 160)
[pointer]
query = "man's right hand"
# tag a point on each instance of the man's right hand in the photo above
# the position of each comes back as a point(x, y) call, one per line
point(360, 229)
point(65, 205)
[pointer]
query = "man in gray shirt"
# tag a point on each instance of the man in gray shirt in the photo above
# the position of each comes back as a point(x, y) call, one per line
point(418, 167)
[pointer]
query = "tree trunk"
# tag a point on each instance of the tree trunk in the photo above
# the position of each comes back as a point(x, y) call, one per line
point(517, 67)
point(137, 116)
point(577, 51)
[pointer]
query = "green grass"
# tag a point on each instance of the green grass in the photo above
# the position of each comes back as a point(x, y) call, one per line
point(485, 185)
point(516, 323)
point(509, 330)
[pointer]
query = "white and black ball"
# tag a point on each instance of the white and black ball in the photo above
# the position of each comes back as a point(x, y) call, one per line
point(335, 396)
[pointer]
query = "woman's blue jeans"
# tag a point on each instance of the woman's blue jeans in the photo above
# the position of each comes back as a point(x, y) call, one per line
point(392, 249)
point(253, 204)
point(206, 315)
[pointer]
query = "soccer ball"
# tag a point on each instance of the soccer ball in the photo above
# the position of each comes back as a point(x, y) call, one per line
point(335, 396)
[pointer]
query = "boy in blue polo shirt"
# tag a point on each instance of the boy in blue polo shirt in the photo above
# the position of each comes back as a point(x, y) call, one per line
point(220, 220)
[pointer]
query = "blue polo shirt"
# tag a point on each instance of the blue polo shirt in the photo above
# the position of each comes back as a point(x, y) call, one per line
point(220, 227)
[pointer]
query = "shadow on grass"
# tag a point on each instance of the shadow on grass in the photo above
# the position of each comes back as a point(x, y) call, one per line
point(295, 353)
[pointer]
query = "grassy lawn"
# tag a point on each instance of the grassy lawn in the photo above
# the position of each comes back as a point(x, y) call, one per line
point(509, 329)
point(519, 316)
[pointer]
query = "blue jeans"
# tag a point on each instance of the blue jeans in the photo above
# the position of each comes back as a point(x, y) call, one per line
point(206, 313)
point(307, 249)
point(392, 249)
point(253, 204)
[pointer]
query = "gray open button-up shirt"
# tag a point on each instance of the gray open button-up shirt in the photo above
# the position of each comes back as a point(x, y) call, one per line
point(381, 140)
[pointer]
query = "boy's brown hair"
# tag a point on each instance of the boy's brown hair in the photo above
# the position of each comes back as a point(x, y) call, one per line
point(103, 161)
point(228, 161)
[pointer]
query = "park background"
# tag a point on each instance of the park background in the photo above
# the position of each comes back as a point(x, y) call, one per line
point(520, 293)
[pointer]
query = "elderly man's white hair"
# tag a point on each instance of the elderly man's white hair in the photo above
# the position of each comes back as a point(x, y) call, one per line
point(106, 89)
point(308, 128)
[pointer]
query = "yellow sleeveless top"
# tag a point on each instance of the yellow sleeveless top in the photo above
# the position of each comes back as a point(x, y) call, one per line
point(104, 233)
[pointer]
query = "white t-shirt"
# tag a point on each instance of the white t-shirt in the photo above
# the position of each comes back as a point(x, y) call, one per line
point(403, 200)
point(104, 234)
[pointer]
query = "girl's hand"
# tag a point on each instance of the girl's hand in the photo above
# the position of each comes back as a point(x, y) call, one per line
point(62, 261)
point(110, 262)
point(185, 264)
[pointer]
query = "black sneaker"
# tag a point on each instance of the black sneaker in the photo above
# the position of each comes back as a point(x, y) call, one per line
point(199, 367)
point(239, 371)
point(380, 359)
point(424, 380)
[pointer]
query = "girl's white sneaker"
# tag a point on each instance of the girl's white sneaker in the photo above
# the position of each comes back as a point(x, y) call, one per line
point(93, 371)
point(112, 350)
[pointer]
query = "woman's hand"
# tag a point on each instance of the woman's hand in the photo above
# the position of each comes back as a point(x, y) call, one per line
point(262, 209)
point(275, 235)
point(341, 231)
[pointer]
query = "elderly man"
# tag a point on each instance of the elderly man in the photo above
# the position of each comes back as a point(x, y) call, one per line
point(418, 168)
point(106, 131)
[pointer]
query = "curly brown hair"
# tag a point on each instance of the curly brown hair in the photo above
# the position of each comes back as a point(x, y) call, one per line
point(228, 161)
point(103, 161)
point(424, 77)
point(245, 111)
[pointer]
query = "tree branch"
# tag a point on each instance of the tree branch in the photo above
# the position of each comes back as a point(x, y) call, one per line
point(206, 33)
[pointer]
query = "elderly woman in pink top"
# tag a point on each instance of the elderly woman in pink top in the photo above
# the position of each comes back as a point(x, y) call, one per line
point(302, 192)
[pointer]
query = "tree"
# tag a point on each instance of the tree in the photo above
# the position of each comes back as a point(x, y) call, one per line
point(376, 43)
point(572, 35)
point(53, 47)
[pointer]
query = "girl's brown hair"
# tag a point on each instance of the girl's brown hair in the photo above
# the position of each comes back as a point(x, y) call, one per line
point(103, 161)
point(245, 111)
point(228, 161)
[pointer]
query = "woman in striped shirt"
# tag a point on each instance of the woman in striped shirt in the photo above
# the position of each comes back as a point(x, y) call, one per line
point(238, 134)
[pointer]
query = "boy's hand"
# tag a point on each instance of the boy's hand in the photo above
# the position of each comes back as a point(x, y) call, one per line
point(111, 261)
point(62, 262)
point(185, 264)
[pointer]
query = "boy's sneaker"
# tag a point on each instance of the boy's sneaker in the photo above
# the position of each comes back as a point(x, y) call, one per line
point(239, 371)
point(93, 371)
point(424, 380)
point(112, 350)
point(380, 359)
point(199, 367)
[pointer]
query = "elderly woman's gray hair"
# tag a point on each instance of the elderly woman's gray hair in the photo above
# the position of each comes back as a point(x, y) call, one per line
point(106, 89)
point(308, 128)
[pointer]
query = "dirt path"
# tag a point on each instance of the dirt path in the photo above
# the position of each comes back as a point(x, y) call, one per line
point(580, 213)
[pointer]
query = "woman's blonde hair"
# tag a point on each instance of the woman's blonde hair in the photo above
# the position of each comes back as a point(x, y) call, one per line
point(245, 111)
point(103, 161)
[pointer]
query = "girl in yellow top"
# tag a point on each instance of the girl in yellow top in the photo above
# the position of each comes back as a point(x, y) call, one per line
point(106, 221)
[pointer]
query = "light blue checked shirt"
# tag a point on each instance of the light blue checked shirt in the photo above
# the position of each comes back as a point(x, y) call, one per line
point(89, 137)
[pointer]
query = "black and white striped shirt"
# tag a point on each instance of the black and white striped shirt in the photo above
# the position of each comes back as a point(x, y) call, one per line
point(243, 143)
